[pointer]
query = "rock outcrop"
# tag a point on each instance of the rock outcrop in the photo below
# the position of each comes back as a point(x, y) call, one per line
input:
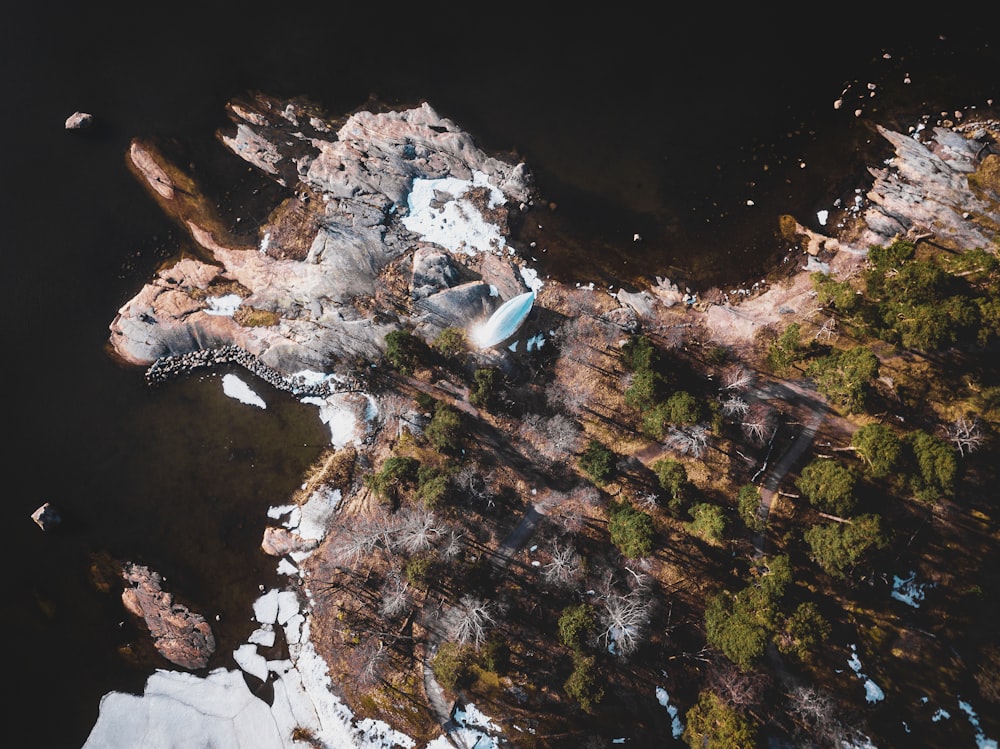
point(180, 635)
point(928, 188)
point(320, 286)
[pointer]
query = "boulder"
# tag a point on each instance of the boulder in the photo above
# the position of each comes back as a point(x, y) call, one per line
point(79, 121)
point(180, 635)
point(47, 517)
point(279, 542)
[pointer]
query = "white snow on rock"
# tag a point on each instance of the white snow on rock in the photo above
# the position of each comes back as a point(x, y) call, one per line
point(223, 305)
point(440, 212)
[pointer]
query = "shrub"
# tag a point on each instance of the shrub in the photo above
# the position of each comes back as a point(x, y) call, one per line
point(707, 521)
point(935, 466)
point(576, 626)
point(631, 530)
point(485, 387)
point(748, 506)
point(828, 486)
point(712, 724)
point(446, 430)
point(879, 448)
point(450, 665)
point(805, 632)
point(403, 350)
point(598, 462)
point(673, 478)
point(451, 342)
point(582, 684)
point(433, 486)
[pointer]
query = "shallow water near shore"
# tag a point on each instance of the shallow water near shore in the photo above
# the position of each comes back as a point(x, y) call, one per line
point(693, 137)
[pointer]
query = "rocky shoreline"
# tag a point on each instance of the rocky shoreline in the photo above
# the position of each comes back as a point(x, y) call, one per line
point(170, 367)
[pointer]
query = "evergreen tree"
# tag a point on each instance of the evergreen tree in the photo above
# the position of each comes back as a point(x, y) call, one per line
point(712, 724)
point(828, 486)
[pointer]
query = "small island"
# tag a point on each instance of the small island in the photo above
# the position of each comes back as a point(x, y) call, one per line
point(729, 516)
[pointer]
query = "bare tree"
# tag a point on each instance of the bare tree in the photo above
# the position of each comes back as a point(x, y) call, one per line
point(737, 377)
point(417, 530)
point(368, 661)
point(451, 545)
point(739, 688)
point(395, 595)
point(816, 713)
point(966, 434)
point(624, 621)
point(358, 538)
point(577, 505)
point(469, 480)
point(470, 620)
point(692, 440)
point(554, 437)
point(759, 422)
point(647, 501)
point(561, 397)
point(734, 405)
point(827, 330)
point(566, 567)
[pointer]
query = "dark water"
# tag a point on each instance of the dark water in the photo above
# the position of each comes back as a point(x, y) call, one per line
point(631, 123)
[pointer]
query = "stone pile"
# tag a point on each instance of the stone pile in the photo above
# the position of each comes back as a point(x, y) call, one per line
point(168, 367)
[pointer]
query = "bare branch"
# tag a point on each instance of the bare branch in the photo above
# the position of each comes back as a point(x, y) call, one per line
point(734, 406)
point(966, 434)
point(759, 422)
point(395, 595)
point(566, 567)
point(688, 440)
point(470, 620)
point(624, 620)
point(417, 530)
point(737, 378)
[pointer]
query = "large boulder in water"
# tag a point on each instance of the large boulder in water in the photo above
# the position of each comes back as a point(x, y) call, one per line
point(180, 635)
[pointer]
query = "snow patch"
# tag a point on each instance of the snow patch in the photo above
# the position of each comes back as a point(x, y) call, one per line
point(676, 726)
point(236, 388)
point(223, 305)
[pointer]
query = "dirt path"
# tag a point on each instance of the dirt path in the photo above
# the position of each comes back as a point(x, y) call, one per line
point(811, 410)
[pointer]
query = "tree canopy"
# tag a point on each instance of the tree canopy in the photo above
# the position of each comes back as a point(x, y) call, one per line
point(828, 486)
point(879, 447)
point(631, 530)
point(598, 462)
point(844, 376)
point(839, 547)
point(712, 724)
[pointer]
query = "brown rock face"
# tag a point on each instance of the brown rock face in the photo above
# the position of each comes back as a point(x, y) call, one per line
point(180, 635)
